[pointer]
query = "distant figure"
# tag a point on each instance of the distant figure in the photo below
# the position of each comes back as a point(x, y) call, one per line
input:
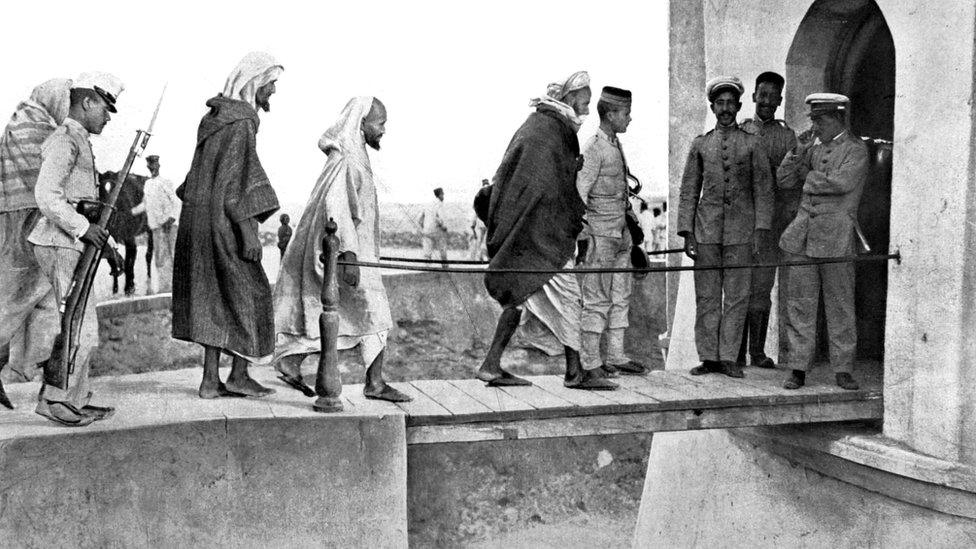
point(433, 229)
point(162, 208)
point(345, 192)
point(125, 227)
point(476, 238)
point(646, 218)
point(284, 233)
point(659, 231)
point(221, 294)
point(27, 326)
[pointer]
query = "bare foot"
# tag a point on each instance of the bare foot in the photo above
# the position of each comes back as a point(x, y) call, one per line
point(496, 377)
point(488, 372)
point(506, 379)
point(385, 392)
point(209, 389)
point(247, 386)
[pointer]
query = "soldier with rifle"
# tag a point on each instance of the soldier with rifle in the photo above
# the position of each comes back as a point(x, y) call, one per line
point(67, 179)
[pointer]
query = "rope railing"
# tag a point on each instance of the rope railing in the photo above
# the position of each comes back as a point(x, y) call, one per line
point(328, 384)
point(485, 262)
point(816, 261)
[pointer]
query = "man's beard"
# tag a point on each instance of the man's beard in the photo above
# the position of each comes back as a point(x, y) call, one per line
point(264, 105)
point(373, 143)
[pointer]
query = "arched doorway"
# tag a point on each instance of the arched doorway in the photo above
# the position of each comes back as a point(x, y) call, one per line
point(845, 46)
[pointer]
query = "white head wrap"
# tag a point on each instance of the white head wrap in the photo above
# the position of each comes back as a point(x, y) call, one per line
point(576, 81)
point(54, 97)
point(346, 135)
point(255, 70)
point(557, 91)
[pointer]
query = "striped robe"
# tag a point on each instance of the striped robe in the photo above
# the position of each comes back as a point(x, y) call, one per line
point(27, 327)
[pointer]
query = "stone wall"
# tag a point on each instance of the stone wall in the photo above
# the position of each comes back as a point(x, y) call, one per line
point(227, 483)
point(135, 333)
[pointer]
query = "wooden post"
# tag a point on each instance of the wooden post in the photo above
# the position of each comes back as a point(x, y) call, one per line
point(328, 384)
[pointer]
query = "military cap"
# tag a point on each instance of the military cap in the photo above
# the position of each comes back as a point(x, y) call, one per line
point(720, 84)
point(823, 103)
point(106, 85)
point(152, 158)
point(616, 96)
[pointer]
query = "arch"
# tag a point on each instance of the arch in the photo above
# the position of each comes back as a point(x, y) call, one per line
point(845, 46)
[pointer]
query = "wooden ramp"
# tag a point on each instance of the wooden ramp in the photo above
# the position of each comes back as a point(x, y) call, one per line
point(465, 410)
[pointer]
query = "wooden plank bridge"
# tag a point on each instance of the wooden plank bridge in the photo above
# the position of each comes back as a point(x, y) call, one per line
point(465, 410)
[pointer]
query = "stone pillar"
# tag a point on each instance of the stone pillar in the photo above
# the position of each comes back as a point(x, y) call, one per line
point(930, 335)
point(687, 85)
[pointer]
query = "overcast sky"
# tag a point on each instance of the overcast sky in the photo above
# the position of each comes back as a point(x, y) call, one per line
point(456, 76)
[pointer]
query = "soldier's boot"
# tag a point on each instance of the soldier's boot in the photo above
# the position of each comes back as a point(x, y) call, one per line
point(578, 378)
point(4, 358)
point(707, 367)
point(574, 369)
point(744, 346)
point(845, 381)
point(796, 380)
point(758, 325)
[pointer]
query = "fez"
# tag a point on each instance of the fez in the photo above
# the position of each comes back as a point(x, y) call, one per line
point(616, 96)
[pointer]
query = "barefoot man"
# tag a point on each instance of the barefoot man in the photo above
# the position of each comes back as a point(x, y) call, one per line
point(534, 216)
point(221, 295)
point(346, 193)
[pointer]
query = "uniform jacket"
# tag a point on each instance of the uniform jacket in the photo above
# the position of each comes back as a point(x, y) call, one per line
point(726, 190)
point(832, 177)
point(602, 184)
point(67, 176)
point(777, 139)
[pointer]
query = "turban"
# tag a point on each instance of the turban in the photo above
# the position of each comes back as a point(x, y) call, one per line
point(576, 81)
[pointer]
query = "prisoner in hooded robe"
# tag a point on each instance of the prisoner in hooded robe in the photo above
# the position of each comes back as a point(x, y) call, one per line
point(28, 323)
point(346, 193)
point(221, 294)
point(534, 217)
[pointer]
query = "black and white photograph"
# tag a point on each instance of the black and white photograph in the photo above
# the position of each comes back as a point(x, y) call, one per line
point(678, 273)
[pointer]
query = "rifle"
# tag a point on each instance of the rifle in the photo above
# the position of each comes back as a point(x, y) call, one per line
point(62, 361)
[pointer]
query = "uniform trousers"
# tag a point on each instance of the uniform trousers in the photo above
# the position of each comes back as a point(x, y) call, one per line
point(434, 243)
point(606, 300)
point(721, 300)
point(835, 283)
point(164, 248)
point(58, 266)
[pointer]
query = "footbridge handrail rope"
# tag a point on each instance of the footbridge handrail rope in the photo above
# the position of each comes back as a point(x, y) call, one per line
point(485, 262)
point(816, 261)
point(328, 385)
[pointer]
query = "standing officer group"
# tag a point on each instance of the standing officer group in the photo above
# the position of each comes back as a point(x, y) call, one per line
point(732, 213)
